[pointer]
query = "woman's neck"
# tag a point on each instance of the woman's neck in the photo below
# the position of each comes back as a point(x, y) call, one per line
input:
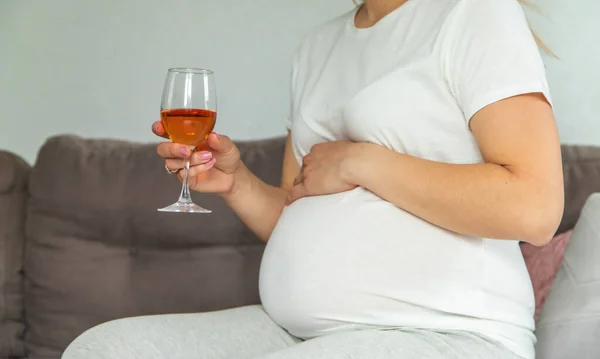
point(374, 10)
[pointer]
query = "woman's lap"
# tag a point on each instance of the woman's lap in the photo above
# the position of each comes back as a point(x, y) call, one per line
point(243, 333)
point(249, 333)
point(394, 344)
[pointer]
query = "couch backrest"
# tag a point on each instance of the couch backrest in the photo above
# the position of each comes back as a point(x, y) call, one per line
point(98, 249)
point(14, 175)
point(581, 166)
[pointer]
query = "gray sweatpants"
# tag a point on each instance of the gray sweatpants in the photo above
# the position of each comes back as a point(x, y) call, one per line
point(249, 333)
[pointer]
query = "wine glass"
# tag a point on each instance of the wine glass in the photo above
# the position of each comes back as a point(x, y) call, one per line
point(188, 113)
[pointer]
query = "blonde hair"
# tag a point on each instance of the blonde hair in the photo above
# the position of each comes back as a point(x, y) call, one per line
point(538, 40)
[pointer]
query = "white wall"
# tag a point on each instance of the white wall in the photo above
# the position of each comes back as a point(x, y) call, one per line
point(95, 68)
point(572, 30)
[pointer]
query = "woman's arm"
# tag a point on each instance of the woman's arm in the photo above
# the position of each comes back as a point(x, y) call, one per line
point(216, 167)
point(516, 194)
point(258, 204)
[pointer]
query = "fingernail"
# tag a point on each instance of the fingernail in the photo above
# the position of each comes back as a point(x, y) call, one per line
point(155, 127)
point(204, 155)
point(209, 164)
point(184, 151)
point(216, 134)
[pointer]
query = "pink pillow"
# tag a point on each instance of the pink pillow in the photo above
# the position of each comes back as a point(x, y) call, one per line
point(543, 264)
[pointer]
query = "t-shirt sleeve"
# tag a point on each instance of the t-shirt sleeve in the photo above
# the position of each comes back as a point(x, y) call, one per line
point(490, 54)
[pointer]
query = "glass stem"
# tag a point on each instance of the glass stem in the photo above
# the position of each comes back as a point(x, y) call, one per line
point(185, 196)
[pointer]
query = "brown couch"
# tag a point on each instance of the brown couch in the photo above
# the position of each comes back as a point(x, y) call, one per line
point(81, 241)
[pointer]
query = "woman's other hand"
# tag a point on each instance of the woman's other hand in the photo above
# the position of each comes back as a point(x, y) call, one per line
point(323, 171)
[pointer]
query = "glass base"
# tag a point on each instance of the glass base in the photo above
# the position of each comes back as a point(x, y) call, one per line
point(180, 207)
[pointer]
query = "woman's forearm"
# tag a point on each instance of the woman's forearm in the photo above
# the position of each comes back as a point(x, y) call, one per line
point(256, 203)
point(484, 200)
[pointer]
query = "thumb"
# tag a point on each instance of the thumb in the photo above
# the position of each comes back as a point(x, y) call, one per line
point(220, 143)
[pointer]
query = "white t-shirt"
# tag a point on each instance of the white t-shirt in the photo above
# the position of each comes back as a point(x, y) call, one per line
point(409, 83)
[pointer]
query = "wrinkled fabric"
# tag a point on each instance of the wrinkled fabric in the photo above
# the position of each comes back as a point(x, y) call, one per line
point(249, 333)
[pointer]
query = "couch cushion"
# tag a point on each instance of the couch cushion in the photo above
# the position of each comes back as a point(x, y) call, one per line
point(98, 249)
point(542, 264)
point(14, 174)
point(569, 325)
point(581, 165)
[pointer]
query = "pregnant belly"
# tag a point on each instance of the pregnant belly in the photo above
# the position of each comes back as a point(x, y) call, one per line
point(351, 260)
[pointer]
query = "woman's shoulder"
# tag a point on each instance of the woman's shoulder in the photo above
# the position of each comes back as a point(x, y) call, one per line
point(485, 11)
point(481, 24)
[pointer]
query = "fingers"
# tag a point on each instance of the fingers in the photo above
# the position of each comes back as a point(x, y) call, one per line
point(300, 178)
point(159, 130)
point(173, 150)
point(220, 143)
point(198, 158)
point(198, 169)
point(217, 143)
point(298, 191)
point(201, 168)
point(306, 160)
point(173, 164)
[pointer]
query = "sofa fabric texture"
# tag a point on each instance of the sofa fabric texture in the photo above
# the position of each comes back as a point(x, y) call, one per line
point(581, 166)
point(571, 313)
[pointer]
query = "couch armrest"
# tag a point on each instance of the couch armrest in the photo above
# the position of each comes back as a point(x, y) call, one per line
point(14, 176)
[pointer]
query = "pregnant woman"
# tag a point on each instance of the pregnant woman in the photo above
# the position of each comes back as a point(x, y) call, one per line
point(422, 148)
